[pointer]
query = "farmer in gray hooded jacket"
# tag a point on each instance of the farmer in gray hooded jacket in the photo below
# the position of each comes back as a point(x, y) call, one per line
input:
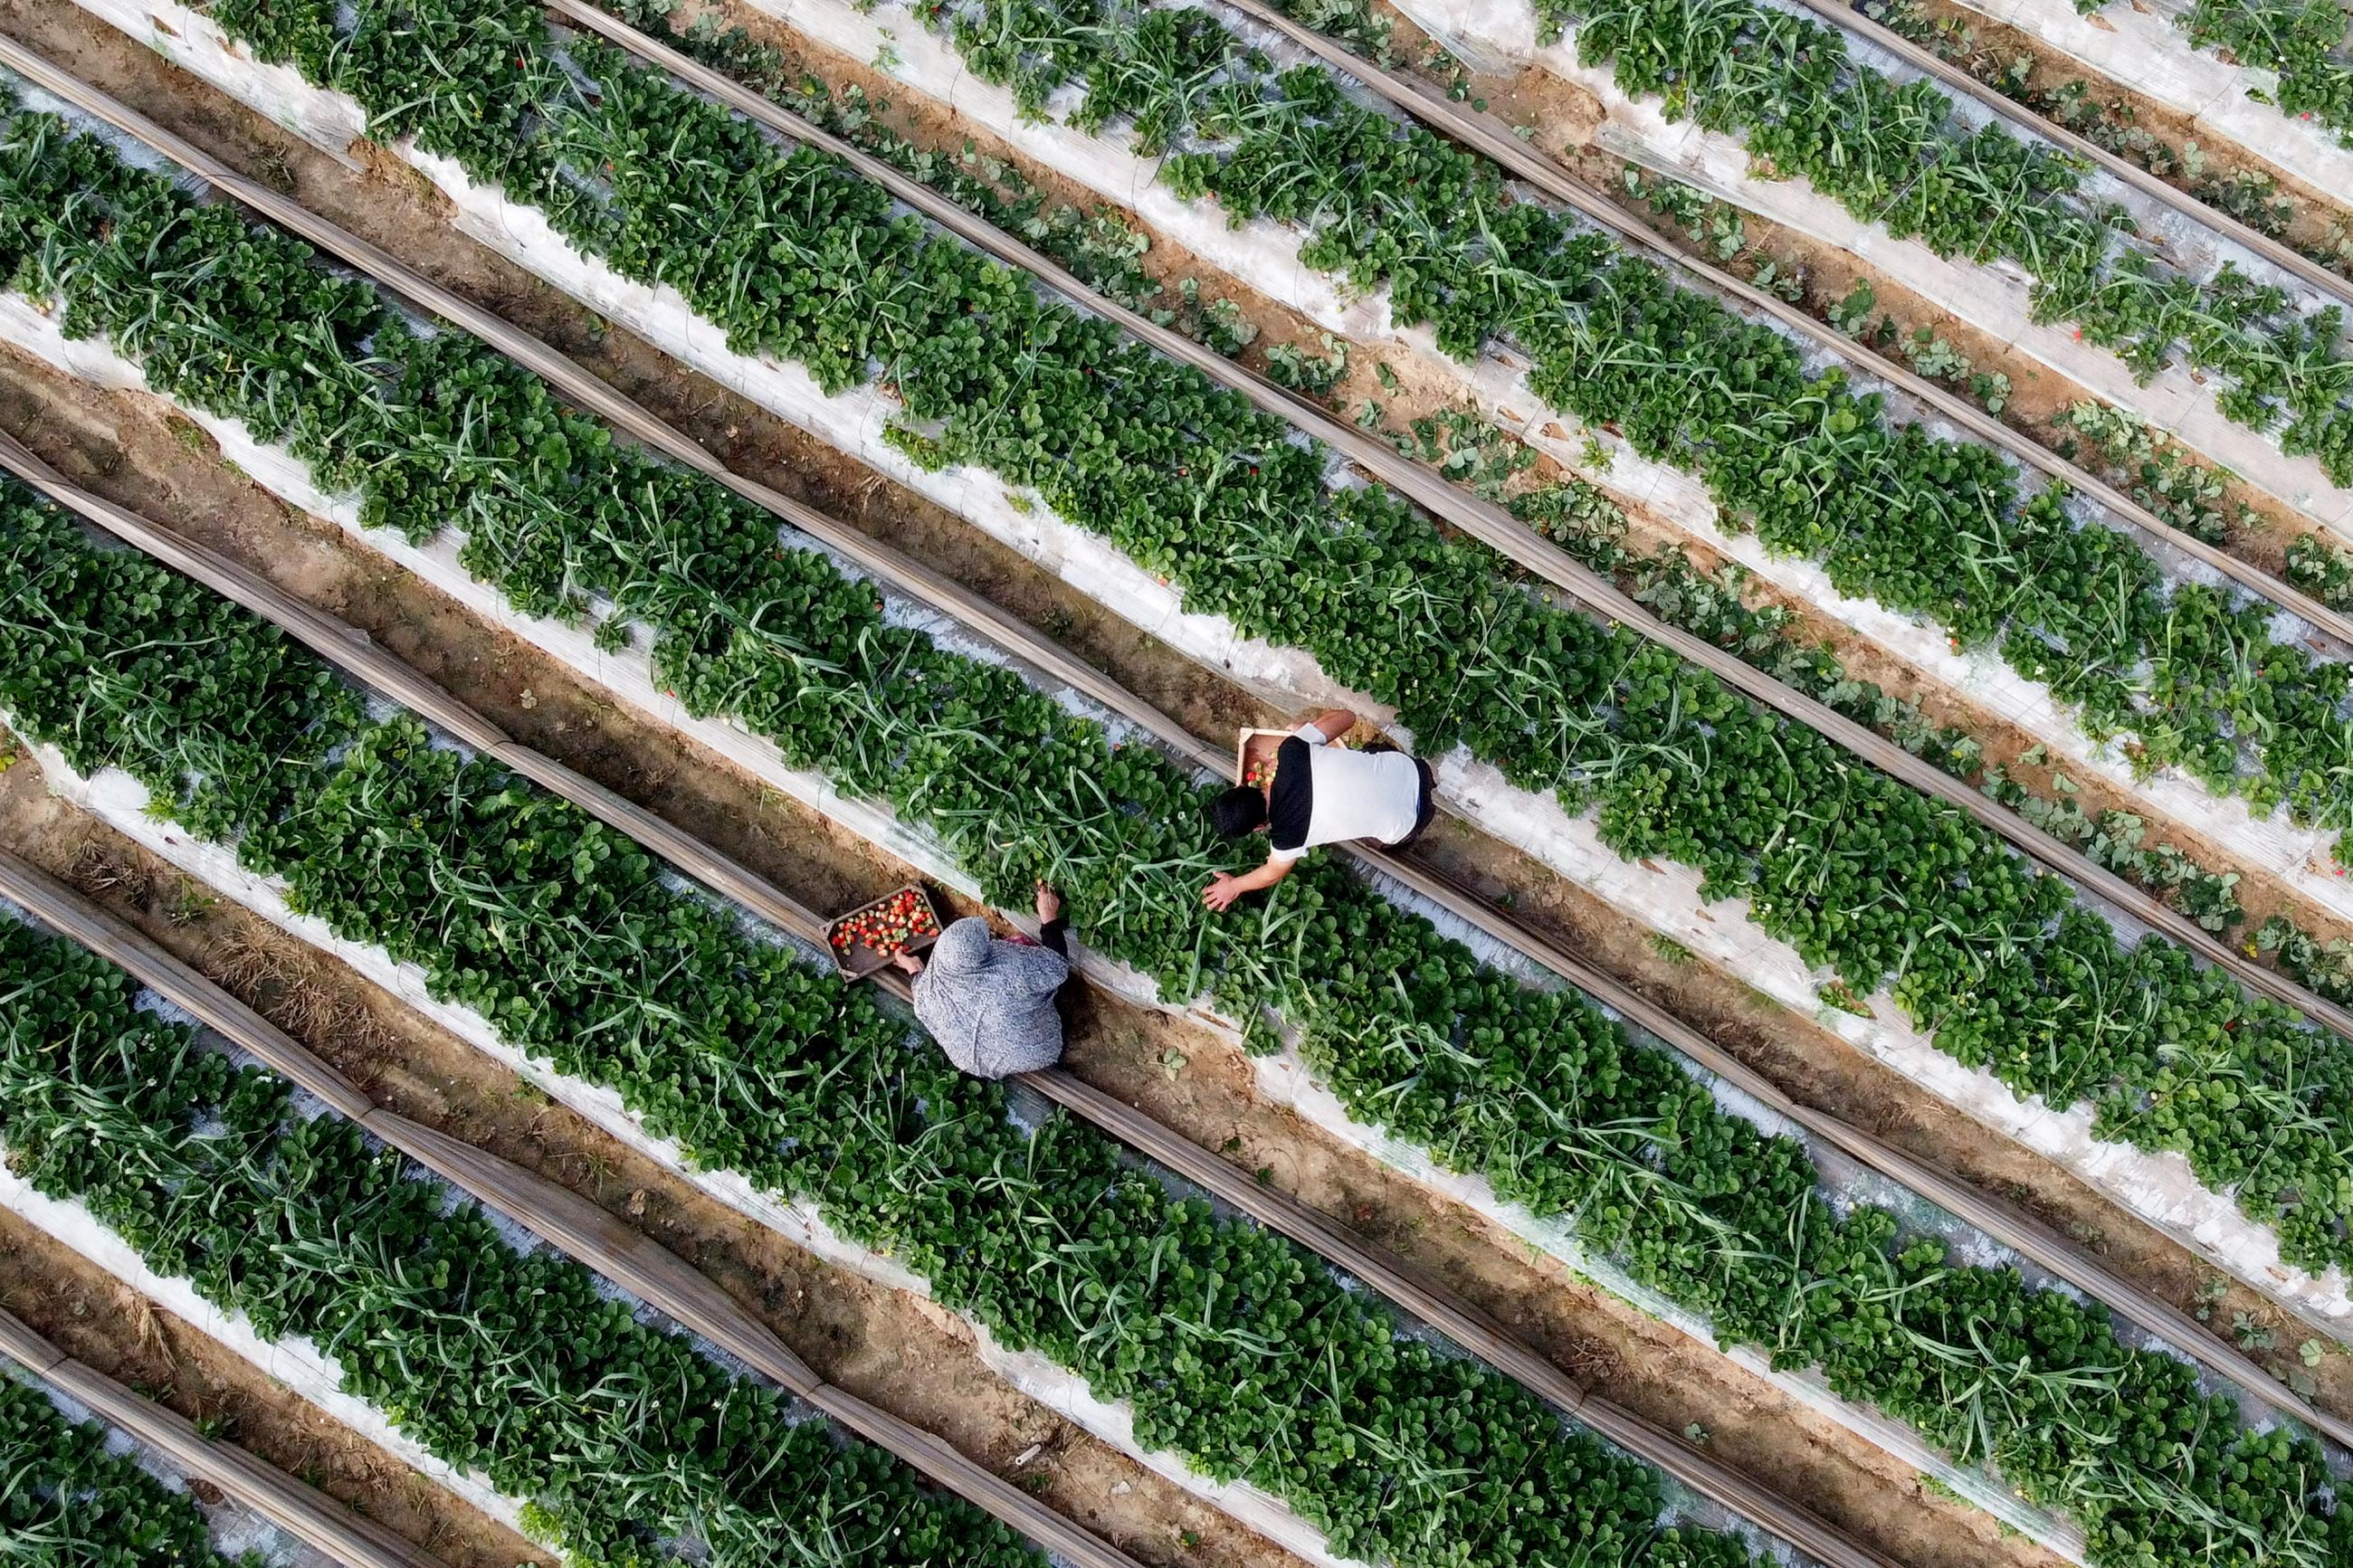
point(990, 1002)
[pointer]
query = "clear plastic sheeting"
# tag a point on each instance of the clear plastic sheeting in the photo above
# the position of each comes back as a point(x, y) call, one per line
point(236, 1530)
point(2160, 1189)
point(1500, 35)
point(121, 802)
point(2140, 48)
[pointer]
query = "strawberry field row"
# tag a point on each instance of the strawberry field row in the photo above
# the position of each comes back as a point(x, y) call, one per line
point(2189, 676)
point(2308, 43)
point(66, 1497)
point(614, 1433)
point(1232, 1346)
point(1098, 245)
point(559, 933)
point(794, 257)
point(1898, 154)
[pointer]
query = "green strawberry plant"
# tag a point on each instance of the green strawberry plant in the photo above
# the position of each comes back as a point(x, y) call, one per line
point(1899, 155)
point(68, 1497)
point(2321, 569)
point(2304, 42)
point(1232, 1346)
point(1998, 963)
point(619, 1435)
point(571, 940)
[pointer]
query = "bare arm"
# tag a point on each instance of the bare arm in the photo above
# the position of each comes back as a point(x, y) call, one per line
point(1224, 887)
point(1334, 723)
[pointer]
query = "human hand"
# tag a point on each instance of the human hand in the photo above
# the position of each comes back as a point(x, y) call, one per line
point(909, 962)
point(1223, 890)
point(1050, 902)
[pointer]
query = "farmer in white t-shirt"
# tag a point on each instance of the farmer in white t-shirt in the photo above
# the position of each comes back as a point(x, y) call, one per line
point(1321, 793)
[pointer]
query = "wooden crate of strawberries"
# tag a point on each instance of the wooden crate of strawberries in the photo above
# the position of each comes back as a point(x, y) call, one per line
point(870, 936)
point(1254, 755)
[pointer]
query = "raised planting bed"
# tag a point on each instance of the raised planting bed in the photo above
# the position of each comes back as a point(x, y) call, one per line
point(2275, 76)
point(514, 1367)
point(1860, 892)
point(73, 1490)
point(442, 811)
point(1807, 103)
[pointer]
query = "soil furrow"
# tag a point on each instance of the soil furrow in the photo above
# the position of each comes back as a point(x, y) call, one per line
point(1171, 1070)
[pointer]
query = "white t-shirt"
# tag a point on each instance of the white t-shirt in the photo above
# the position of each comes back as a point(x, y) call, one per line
point(1343, 795)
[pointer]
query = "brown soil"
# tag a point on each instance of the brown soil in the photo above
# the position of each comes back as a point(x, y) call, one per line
point(1208, 1096)
point(906, 1355)
point(98, 1321)
point(1169, 1068)
point(1985, 48)
point(1565, 114)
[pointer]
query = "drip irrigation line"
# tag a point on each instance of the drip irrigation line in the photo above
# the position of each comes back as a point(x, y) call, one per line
point(1852, 19)
point(557, 1216)
point(1481, 519)
point(310, 1516)
point(353, 652)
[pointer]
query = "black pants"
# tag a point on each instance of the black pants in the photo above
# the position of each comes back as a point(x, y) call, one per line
point(1054, 936)
point(1427, 812)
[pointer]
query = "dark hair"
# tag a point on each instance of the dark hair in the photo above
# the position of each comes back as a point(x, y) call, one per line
point(1238, 811)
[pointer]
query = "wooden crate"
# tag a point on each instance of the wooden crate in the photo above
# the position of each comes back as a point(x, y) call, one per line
point(1242, 750)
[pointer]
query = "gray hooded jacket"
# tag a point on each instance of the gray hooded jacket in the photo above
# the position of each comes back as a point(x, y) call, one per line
point(990, 1004)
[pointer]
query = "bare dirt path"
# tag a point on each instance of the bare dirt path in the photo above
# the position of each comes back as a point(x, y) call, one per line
point(130, 451)
point(1173, 1070)
point(95, 1317)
